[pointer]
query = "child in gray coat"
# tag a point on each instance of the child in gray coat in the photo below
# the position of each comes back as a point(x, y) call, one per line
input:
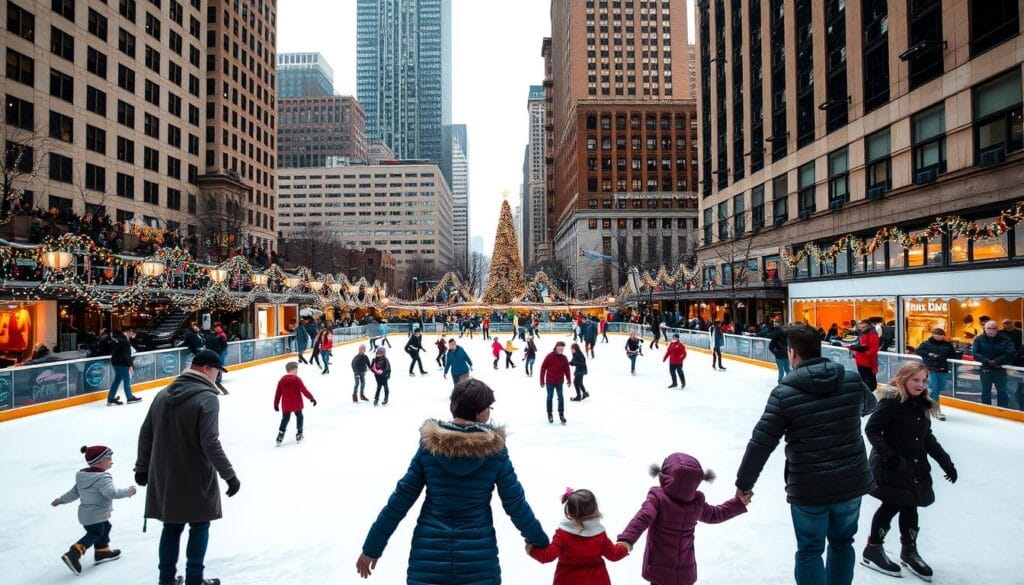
point(95, 488)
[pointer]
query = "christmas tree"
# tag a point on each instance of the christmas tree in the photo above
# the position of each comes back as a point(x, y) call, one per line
point(506, 281)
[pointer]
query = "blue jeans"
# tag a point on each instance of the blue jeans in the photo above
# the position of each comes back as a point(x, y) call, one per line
point(552, 388)
point(632, 364)
point(326, 356)
point(783, 366)
point(529, 366)
point(121, 374)
point(195, 551)
point(936, 384)
point(97, 535)
point(997, 377)
point(813, 525)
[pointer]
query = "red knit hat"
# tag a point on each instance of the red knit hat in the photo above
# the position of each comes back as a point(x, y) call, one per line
point(96, 453)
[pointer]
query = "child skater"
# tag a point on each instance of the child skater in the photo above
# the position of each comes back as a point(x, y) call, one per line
point(496, 349)
point(670, 514)
point(381, 369)
point(288, 399)
point(95, 488)
point(360, 364)
point(634, 347)
point(325, 342)
point(900, 433)
point(530, 355)
point(580, 543)
point(442, 348)
point(509, 350)
point(579, 361)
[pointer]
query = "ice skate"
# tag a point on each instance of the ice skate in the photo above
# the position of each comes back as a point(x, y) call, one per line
point(364, 398)
point(561, 417)
point(551, 419)
point(114, 402)
point(298, 437)
point(134, 400)
point(73, 557)
point(280, 437)
point(105, 555)
point(385, 403)
point(910, 559)
point(585, 395)
point(874, 558)
point(355, 398)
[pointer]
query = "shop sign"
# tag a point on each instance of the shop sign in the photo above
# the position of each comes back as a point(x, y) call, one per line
point(928, 307)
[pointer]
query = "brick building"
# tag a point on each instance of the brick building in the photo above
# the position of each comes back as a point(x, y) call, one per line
point(311, 129)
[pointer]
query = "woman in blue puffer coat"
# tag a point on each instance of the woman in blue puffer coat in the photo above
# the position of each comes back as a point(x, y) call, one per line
point(459, 462)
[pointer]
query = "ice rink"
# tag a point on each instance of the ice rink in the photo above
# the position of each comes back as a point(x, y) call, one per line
point(304, 510)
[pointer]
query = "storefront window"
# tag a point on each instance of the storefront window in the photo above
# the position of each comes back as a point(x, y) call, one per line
point(18, 324)
point(857, 263)
point(815, 267)
point(771, 269)
point(929, 253)
point(876, 261)
point(958, 249)
point(961, 318)
point(990, 248)
point(800, 269)
point(843, 262)
point(843, 313)
point(897, 256)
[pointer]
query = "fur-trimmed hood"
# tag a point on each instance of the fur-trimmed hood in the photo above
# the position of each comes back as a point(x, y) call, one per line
point(465, 446)
point(588, 529)
point(885, 391)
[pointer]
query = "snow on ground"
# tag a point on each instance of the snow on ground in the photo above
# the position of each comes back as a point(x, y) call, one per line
point(303, 510)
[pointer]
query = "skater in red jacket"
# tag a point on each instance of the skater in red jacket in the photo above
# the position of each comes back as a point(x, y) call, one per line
point(288, 399)
point(675, 354)
point(496, 349)
point(580, 543)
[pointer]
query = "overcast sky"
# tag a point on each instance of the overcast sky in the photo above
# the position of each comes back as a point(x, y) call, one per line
point(495, 58)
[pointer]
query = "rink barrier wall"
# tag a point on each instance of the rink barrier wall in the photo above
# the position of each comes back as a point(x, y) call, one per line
point(31, 390)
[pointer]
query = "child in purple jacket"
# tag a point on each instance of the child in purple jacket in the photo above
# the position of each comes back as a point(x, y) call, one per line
point(670, 514)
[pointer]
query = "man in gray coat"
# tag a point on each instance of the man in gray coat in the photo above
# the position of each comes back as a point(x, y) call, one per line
point(179, 458)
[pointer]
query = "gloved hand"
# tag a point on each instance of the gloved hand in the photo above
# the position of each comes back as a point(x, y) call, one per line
point(314, 402)
point(893, 462)
point(233, 486)
point(951, 474)
point(141, 478)
point(277, 408)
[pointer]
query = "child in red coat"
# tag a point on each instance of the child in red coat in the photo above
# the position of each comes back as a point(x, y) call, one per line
point(288, 399)
point(580, 543)
point(496, 349)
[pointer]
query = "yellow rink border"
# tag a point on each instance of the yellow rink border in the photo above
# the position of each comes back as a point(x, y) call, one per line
point(25, 411)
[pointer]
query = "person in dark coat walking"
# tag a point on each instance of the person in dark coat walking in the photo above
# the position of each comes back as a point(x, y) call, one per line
point(818, 408)
point(935, 353)
point(777, 345)
point(381, 368)
point(218, 343)
point(193, 340)
point(360, 363)
point(655, 333)
point(553, 370)
point(123, 363)
point(717, 341)
point(459, 462)
point(579, 362)
point(413, 347)
point(302, 339)
point(179, 458)
point(900, 432)
point(993, 350)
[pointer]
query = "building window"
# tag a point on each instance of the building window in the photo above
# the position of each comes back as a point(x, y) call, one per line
point(878, 161)
point(126, 8)
point(757, 207)
point(173, 198)
point(998, 118)
point(780, 199)
point(126, 42)
point(925, 41)
point(97, 24)
point(125, 186)
point(126, 78)
point(929, 138)
point(62, 86)
point(125, 114)
point(62, 44)
point(20, 68)
point(21, 22)
point(723, 220)
point(739, 215)
point(19, 157)
point(805, 106)
point(95, 139)
point(837, 94)
point(95, 101)
point(96, 63)
point(875, 15)
point(993, 22)
point(708, 226)
point(125, 150)
point(95, 178)
point(839, 176)
point(151, 159)
point(62, 127)
point(151, 192)
point(65, 8)
point(19, 113)
point(60, 168)
point(807, 190)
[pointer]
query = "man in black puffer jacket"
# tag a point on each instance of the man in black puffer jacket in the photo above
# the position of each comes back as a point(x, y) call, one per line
point(818, 408)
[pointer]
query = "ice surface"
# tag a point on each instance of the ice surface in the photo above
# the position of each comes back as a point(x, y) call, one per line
point(303, 510)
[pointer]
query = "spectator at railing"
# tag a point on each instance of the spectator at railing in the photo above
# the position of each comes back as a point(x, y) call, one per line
point(993, 350)
point(41, 355)
point(935, 354)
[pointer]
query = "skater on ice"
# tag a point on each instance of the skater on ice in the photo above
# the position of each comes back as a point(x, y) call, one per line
point(900, 433)
point(360, 364)
point(94, 487)
point(634, 347)
point(579, 363)
point(553, 370)
point(288, 400)
point(381, 368)
point(496, 349)
point(675, 353)
point(530, 356)
point(413, 347)
point(442, 348)
point(509, 350)
point(325, 341)
point(717, 339)
point(580, 544)
point(457, 360)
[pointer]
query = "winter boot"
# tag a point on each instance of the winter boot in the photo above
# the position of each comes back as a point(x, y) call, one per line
point(874, 556)
point(364, 398)
point(280, 437)
point(551, 419)
point(355, 397)
point(134, 400)
point(585, 395)
point(103, 555)
point(73, 557)
point(114, 402)
point(561, 417)
point(298, 437)
point(913, 561)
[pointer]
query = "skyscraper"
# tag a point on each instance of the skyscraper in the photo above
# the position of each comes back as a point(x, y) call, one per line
point(460, 191)
point(304, 75)
point(534, 177)
point(403, 76)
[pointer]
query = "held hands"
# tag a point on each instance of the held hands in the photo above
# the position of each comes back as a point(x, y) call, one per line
point(744, 496)
point(364, 565)
point(529, 547)
point(629, 547)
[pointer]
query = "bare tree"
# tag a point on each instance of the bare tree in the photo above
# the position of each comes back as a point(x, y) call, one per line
point(419, 271)
point(22, 161)
point(222, 225)
point(734, 251)
point(471, 271)
point(317, 249)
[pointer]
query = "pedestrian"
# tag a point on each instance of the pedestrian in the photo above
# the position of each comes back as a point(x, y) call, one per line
point(496, 349)
point(589, 337)
point(288, 400)
point(992, 351)
point(509, 350)
point(457, 360)
point(669, 515)
point(413, 347)
point(580, 544)
point(777, 346)
point(325, 342)
point(818, 408)
point(302, 339)
point(675, 354)
point(486, 326)
point(179, 455)
point(553, 370)
point(122, 361)
point(218, 344)
point(535, 329)
point(530, 356)
point(94, 486)
point(604, 328)
point(360, 363)
point(655, 333)
point(900, 432)
point(579, 362)
point(459, 462)
point(634, 347)
point(193, 340)
point(935, 353)
point(381, 369)
point(442, 348)
point(315, 344)
point(865, 353)
point(717, 341)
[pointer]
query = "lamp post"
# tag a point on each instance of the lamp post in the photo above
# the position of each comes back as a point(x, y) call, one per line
point(260, 279)
point(57, 259)
point(218, 275)
point(152, 268)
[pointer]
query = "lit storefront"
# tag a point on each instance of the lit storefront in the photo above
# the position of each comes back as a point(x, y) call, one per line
point(24, 324)
point(960, 317)
point(843, 312)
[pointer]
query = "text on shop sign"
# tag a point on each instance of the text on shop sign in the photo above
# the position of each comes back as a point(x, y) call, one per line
point(929, 307)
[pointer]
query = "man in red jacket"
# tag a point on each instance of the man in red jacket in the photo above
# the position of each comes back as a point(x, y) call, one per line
point(288, 398)
point(865, 354)
point(553, 370)
point(675, 354)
